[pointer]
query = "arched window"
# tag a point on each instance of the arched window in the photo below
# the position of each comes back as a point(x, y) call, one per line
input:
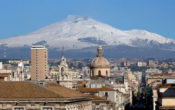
point(62, 69)
point(99, 73)
point(106, 95)
point(106, 73)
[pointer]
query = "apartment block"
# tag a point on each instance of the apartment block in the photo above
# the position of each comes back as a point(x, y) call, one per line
point(39, 63)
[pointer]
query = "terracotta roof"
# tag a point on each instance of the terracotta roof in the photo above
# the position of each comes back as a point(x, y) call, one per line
point(161, 74)
point(95, 90)
point(31, 90)
point(64, 92)
point(94, 97)
point(24, 90)
point(98, 100)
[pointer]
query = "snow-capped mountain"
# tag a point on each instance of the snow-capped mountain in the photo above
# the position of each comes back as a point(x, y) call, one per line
point(80, 37)
point(77, 32)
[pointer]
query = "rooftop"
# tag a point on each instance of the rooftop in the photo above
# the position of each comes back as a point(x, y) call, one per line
point(95, 90)
point(64, 92)
point(27, 90)
point(38, 47)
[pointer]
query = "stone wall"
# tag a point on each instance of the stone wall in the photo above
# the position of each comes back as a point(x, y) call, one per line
point(168, 102)
point(83, 105)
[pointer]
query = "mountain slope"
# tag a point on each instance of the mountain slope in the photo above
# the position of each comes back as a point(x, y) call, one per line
point(80, 36)
point(79, 32)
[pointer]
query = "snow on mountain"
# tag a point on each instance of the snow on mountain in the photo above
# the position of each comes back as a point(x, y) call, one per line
point(77, 32)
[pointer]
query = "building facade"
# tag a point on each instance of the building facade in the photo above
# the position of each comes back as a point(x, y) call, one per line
point(39, 63)
point(63, 74)
point(164, 97)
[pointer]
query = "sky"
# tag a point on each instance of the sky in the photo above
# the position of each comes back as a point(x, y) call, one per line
point(19, 17)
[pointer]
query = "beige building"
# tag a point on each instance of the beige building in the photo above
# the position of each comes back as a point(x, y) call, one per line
point(158, 78)
point(164, 97)
point(152, 63)
point(100, 65)
point(39, 63)
point(5, 75)
point(104, 98)
point(18, 61)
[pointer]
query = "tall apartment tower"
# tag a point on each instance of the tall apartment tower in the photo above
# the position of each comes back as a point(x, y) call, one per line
point(39, 63)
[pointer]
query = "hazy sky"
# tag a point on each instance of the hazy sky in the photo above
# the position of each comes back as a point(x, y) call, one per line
point(18, 17)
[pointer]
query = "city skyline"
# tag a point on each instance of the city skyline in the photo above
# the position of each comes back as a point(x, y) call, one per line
point(87, 55)
point(23, 17)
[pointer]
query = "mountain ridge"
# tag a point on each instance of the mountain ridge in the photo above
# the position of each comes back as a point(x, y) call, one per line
point(80, 35)
point(74, 28)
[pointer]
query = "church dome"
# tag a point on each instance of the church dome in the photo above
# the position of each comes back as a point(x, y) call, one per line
point(100, 61)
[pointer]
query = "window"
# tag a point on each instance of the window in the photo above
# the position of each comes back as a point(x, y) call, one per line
point(106, 73)
point(106, 95)
point(62, 70)
point(47, 108)
point(99, 73)
point(19, 108)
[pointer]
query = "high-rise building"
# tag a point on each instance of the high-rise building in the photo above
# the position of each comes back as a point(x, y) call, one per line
point(39, 63)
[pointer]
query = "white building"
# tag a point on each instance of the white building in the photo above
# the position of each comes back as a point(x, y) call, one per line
point(1, 65)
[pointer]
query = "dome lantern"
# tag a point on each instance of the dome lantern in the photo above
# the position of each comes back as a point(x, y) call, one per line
point(100, 51)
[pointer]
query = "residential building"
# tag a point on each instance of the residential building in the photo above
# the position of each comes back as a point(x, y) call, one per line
point(164, 97)
point(39, 63)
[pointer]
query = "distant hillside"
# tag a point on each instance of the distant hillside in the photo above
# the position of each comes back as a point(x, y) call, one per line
point(80, 37)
